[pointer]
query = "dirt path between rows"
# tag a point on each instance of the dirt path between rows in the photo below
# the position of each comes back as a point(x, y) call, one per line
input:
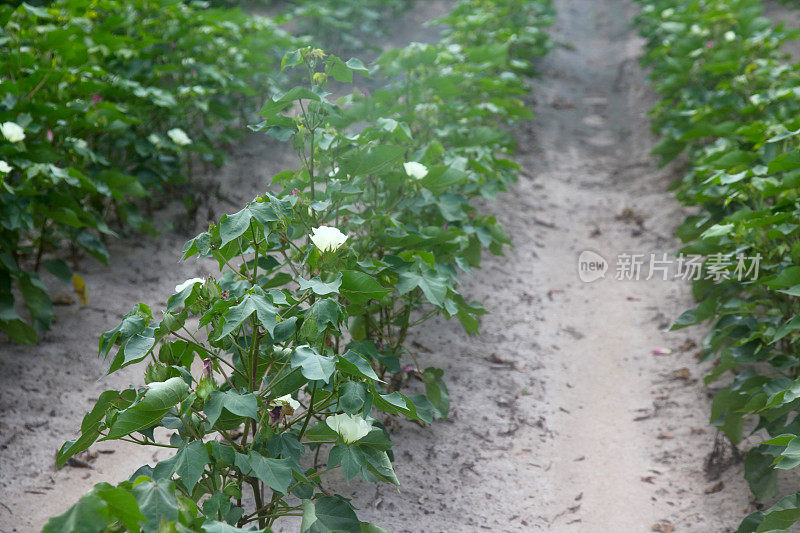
point(563, 418)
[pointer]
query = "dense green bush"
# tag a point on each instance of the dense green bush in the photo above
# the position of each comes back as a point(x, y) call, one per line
point(347, 26)
point(110, 96)
point(730, 102)
point(299, 341)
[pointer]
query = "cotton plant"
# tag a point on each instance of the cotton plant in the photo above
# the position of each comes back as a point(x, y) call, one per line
point(280, 368)
point(92, 141)
point(734, 142)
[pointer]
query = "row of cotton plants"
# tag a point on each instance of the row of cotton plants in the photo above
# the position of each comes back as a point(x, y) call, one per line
point(277, 373)
point(730, 103)
point(102, 105)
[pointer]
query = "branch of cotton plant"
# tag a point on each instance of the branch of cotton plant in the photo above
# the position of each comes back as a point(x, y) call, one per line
point(255, 254)
point(216, 428)
point(275, 380)
point(289, 262)
point(146, 443)
point(310, 412)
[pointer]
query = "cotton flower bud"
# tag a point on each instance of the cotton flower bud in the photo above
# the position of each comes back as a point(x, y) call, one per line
point(320, 78)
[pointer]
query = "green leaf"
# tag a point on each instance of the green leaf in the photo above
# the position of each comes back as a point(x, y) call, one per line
point(156, 501)
point(792, 325)
point(778, 518)
point(783, 162)
point(59, 269)
point(35, 294)
point(157, 401)
point(352, 397)
point(319, 287)
point(760, 475)
point(238, 404)
point(121, 505)
point(91, 423)
point(356, 365)
point(233, 226)
point(365, 462)
point(717, 230)
point(19, 331)
point(275, 473)
point(788, 277)
point(359, 287)
point(329, 514)
point(433, 288)
point(189, 463)
point(366, 163)
point(436, 390)
point(313, 365)
point(89, 515)
point(326, 312)
point(252, 303)
point(321, 432)
point(790, 456)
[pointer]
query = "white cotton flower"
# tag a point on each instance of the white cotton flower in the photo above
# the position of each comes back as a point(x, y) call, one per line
point(5, 168)
point(350, 428)
point(327, 238)
point(153, 138)
point(285, 400)
point(12, 131)
point(179, 137)
point(667, 13)
point(730, 36)
point(188, 283)
point(415, 170)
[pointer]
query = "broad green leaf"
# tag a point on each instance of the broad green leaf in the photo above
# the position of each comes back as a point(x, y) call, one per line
point(313, 365)
point(121, 505)
point(189, 463)
point(356, 365)
point(352, 397)
point(359, 287)
point(366, 163)
point(436, 390)
point(252, 303)
point(233, 226)
point(156, 501)
point(329, 514)
point(157, 401)
point(275, 473)
point(89, 515)
point(760, 475)
point(239, 404)
point(319, 287)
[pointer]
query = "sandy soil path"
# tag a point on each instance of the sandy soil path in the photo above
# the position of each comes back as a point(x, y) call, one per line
point(563, 418)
